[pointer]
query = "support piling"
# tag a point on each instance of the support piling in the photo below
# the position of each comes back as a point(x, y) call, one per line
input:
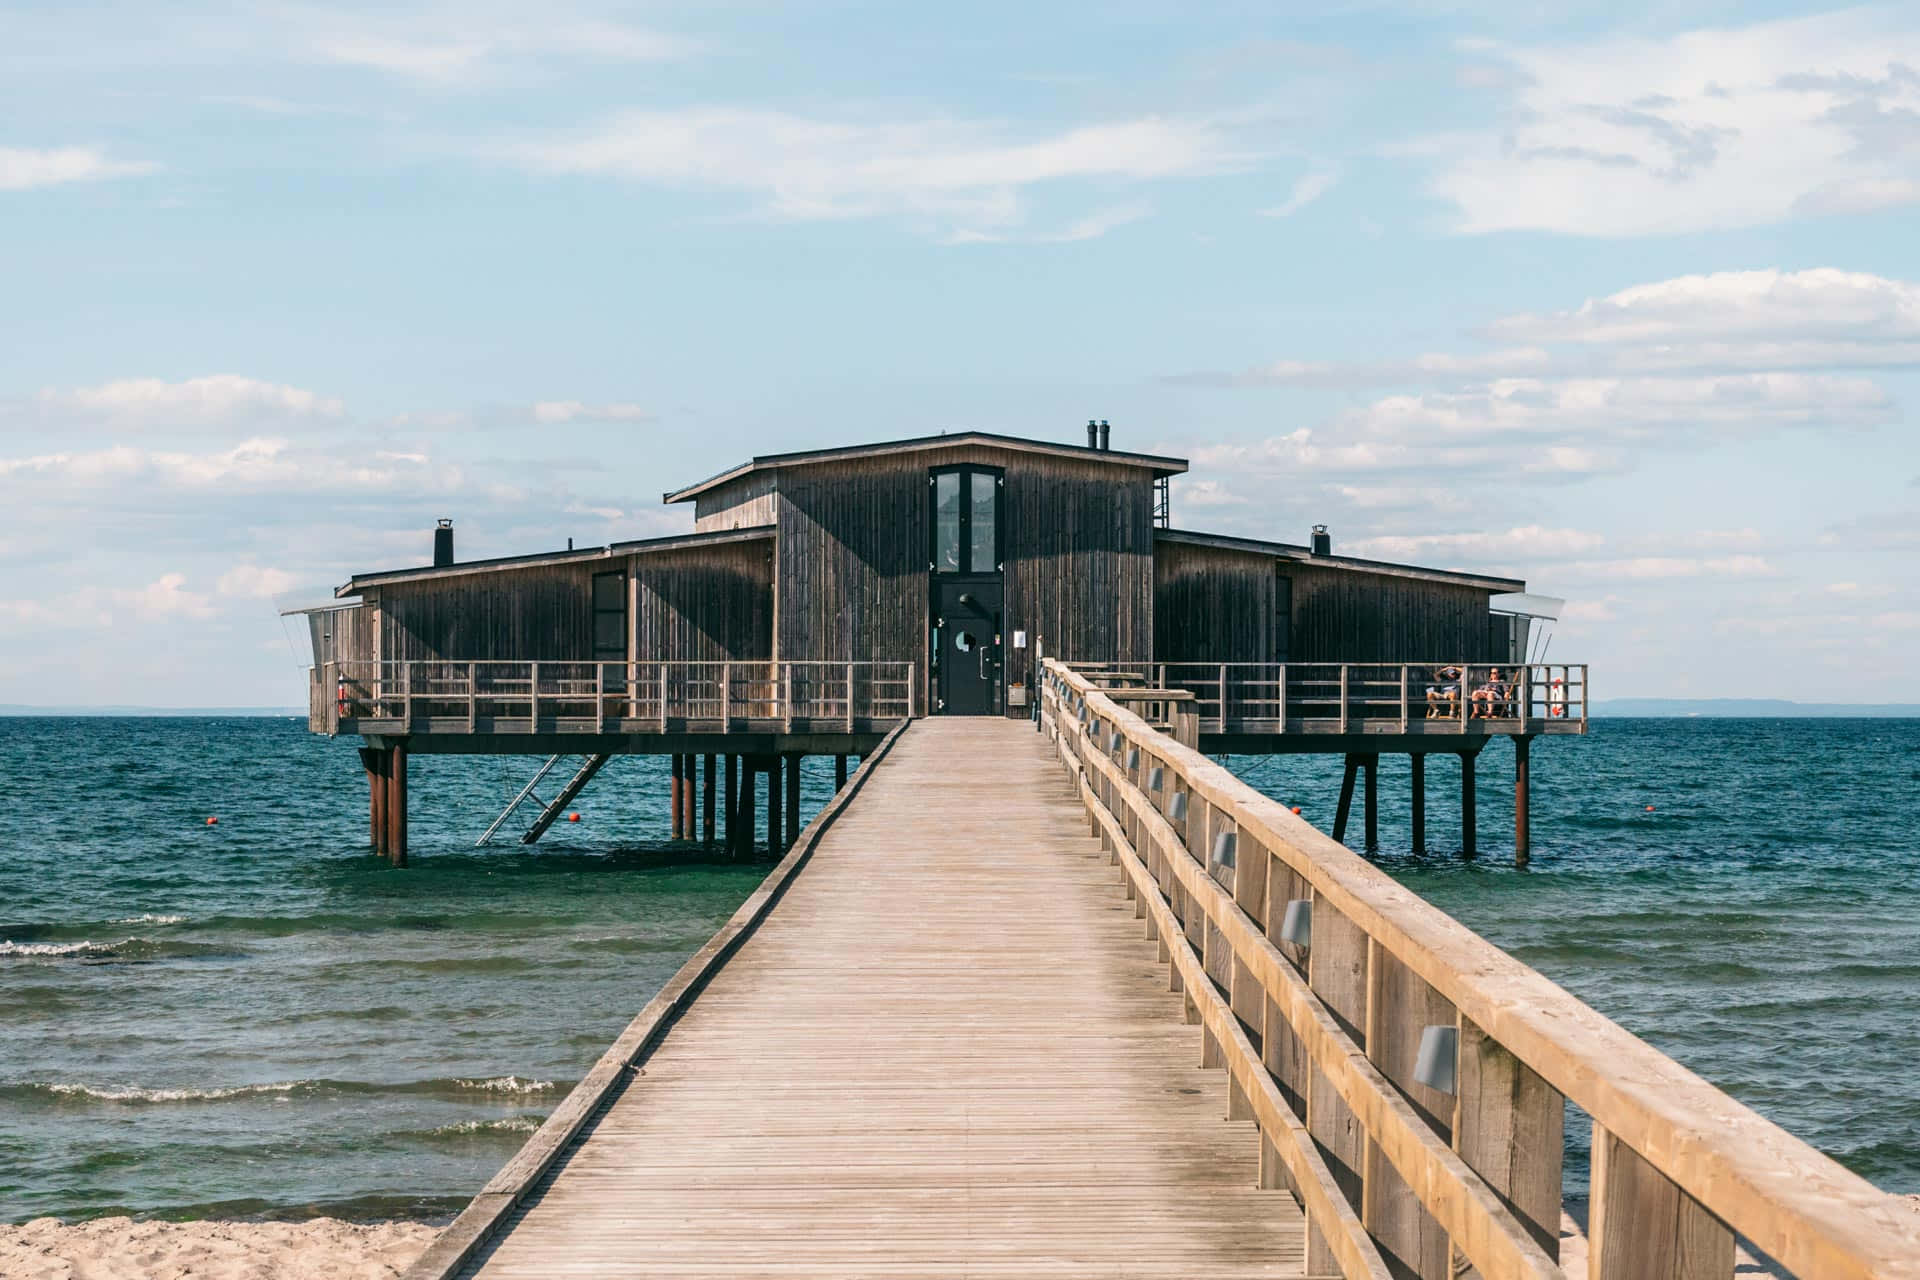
point(1468, 821)
point(1522, 826)
point(1419, 766)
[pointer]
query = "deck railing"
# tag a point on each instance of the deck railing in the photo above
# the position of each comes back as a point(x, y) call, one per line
point(608, 697)
point(1409, 1080)
point(1369, 697)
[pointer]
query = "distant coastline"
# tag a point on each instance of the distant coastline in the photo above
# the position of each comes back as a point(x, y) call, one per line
point(22, 709)
point(1753, 708)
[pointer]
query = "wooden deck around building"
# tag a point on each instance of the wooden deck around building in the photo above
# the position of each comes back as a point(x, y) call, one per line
point(947, 1051)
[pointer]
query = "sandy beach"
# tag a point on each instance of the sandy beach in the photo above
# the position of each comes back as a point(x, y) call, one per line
point(122, 1249)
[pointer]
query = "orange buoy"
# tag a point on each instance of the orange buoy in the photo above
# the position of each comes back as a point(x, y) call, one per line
point(1296, 808)
point(213, 822)
point(573, 817)
point(1649, 808)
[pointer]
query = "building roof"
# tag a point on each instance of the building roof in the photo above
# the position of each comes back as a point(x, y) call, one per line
point(1293, 551)
point(1160, 466)
point(642, 546)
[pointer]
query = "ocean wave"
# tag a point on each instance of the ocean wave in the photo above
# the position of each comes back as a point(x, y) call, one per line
point(507, 1084)
point(83, 947)
point(149, 918)
point(127, 949)
point(69, 1092)
point(501, 1124)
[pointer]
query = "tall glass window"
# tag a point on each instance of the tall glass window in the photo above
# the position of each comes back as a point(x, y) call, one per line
point(966, 520)
point(946, 522)
point(983, 536)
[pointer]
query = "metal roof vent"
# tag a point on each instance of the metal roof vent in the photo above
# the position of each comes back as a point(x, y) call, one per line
point(1322, 541)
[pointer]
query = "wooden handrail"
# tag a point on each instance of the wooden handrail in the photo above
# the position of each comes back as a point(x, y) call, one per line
point(1797, 1205)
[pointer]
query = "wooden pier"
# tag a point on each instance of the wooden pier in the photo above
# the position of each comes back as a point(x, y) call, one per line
point(1026, 1003)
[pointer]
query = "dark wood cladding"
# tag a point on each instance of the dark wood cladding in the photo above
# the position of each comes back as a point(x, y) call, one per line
point(1077, 543)
point(697, 604)
point(1347, 615)
point(1216, 605)
point(1220, 605)
point(1080, 559)
point(705, 604)
point(543, 613)
point(341, 635)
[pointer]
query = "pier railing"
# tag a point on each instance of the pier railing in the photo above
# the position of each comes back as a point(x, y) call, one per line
point(495, 697)
point(1409, 1080)
point(1369, 697)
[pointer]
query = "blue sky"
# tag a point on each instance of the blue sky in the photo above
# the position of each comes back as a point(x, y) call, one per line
point(1626, 302)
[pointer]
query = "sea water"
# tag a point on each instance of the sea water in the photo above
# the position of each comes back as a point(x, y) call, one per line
point(259, 1018)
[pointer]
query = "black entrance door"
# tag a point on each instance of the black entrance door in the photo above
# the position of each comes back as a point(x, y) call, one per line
point(966, 646)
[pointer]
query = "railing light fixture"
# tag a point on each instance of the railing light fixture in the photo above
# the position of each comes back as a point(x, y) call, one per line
point(1296, 926)
point(1177, 807)
point(1223, 855)
point(1133, 757)
point(1155, 776)
point(1113, 740)
point(1434, 1067)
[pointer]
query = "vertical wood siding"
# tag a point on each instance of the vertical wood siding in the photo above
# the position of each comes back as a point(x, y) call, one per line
point(746, 503)
point(1212, 604)
point(341, 635)
point(507, 614)
point(704, 604)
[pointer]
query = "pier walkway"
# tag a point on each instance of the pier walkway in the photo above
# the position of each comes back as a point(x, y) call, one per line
point(956, 1034)
point(949, 1051)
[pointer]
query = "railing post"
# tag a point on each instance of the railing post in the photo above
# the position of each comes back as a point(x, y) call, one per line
point(473, 696)
point(1223, 697)
point(533, 697)
point(785, 694)
point(663, 697)
point(726, 699)
point(599, 698)
point(1343, 697)
point(849, 697)
point(1526, 696)
point(1508, 1125)
point(1641, 1224)
point(1337, 971)
point(1403, 697)
point(1465, 699)
point(406, 697)
point(1283, 697)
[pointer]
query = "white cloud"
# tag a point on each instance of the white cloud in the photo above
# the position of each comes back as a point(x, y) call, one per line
point(451, 47)
point(1824, 304)
point(557, 411)
point(966, 173)
point(216, 400)
point(254, 582)
point(1532, 541)
point(1308, 188)
point(25, 168)
point(1662, 567)
point(1205, 493)
point(166, 597)
point(1704, 130)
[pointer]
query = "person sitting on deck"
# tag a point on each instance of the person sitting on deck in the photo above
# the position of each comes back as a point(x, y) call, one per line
point(1447, 692)
point(1490, 699)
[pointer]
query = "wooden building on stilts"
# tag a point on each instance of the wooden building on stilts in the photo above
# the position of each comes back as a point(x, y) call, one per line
point(824, 596)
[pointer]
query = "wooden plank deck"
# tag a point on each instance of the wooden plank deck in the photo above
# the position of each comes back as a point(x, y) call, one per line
point(948, 1051)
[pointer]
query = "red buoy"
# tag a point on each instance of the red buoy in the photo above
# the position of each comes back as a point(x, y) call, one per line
point(573, 817)
point(213, 822)
point(1649, 808)
point(1296, 808)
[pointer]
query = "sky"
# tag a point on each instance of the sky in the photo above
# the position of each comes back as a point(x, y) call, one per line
point(1623, 300)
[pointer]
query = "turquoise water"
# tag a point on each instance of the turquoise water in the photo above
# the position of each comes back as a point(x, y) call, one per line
point(258, 1018)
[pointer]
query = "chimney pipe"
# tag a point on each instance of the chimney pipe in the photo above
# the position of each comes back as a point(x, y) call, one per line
point(1093, 434)
point(443, 543)
point(1322, 541)
point(1105, 438)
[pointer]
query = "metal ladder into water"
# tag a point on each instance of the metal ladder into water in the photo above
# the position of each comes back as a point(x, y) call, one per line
point(549, 812)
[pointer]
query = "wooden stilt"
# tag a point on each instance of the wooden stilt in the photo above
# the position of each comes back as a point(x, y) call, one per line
point(793, 801)
point(374, 761)
point(673, 797)
point(1372, 763)
point(730, 803)
point(1419, 765)
point(690, 795)
point(1468, 847)
point(745, 846)
point(774, 834)
point(397, 805)
point(706, 818)
point(839, 772)
point(1522, 833)
point(1346, 799)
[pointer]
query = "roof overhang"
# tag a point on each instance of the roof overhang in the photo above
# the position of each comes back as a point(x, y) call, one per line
point(1158, 465)
point(612, 551)
point(1304, 555)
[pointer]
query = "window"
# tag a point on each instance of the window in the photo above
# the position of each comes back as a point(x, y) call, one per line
point(610, 616)
point(966, 520)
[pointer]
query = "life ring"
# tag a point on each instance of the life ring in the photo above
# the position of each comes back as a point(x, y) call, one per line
point(341, 700)
point(1557, 699)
